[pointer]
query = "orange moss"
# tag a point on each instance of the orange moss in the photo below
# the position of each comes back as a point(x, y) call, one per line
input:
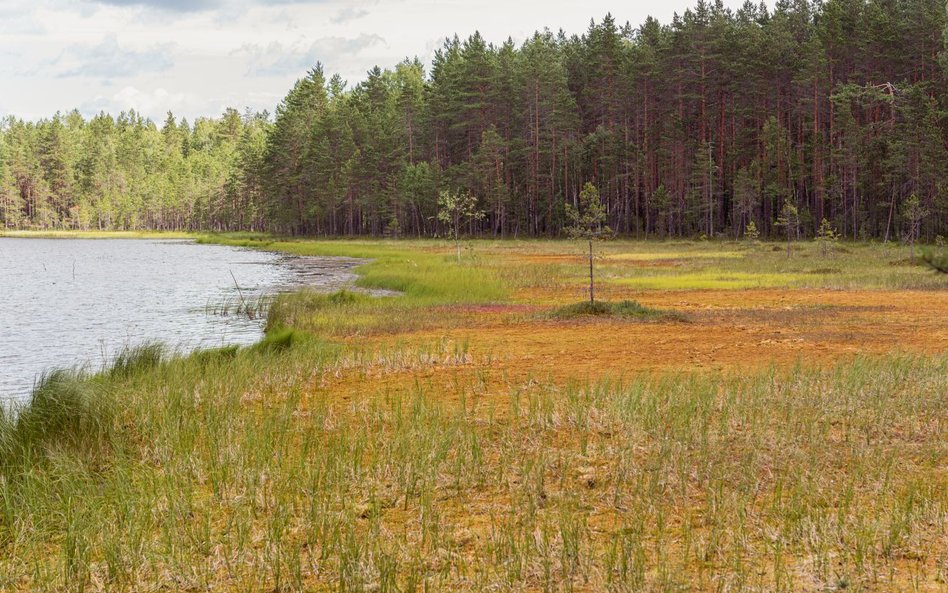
point(724, 330)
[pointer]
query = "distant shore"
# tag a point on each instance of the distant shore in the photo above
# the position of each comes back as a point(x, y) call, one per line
point(70, 234)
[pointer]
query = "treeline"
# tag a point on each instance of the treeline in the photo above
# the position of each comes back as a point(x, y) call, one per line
point(126, 173)
point(697, 127)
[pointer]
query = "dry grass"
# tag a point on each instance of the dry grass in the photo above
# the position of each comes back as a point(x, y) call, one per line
point(461, 439)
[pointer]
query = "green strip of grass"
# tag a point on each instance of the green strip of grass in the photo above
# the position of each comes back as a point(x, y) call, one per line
point(423, 276)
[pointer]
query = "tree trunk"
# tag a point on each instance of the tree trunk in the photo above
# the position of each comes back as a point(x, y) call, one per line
point(592, 294)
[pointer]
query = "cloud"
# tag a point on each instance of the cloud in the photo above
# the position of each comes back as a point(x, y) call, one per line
point(7, 59)
point(166, 5)
point(107, 59)
point(154, 104)
point(348, 14)
point(196, 5)
point(278, 59)
point(20, 20)
point(149, 103)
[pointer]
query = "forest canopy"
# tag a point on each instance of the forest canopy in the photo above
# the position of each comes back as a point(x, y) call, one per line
point(696, 127)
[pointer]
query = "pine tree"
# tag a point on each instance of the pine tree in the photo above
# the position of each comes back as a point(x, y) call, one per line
point(698, 126)
point(826, 236)
point(789, 220)
point(587, 223)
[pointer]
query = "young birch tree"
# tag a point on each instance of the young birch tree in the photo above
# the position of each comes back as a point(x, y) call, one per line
point(456, 208)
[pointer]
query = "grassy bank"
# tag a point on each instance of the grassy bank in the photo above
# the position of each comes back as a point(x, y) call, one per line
point(421, 273)
point(479, 433)
point(224, 472)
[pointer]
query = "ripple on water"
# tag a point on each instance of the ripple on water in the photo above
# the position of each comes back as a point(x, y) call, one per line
point(76, 302)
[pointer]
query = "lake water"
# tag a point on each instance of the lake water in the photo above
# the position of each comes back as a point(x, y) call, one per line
point(71, 302)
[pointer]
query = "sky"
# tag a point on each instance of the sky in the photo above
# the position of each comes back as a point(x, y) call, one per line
point(197, 57)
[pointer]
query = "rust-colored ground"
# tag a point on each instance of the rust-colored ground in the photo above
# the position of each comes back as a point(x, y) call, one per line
point(721, 330)
point(510, 346)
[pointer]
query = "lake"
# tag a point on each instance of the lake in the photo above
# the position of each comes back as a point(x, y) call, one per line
point(71, 302)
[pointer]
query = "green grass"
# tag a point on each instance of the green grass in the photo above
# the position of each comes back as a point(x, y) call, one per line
point(68, 414)
point(423, 275)
point(937, 260)
point(280, 338)
point(622, 309)
point(421, 270)
point(131, 361)
point(220, 475)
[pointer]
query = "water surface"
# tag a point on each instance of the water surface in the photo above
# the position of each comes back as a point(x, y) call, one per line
point(71, 302)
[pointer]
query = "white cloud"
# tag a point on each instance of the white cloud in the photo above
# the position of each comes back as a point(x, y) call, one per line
point(166, 5)
point(277, 58)
point(195, 56)
point(108, 59)
point(349, 13)
point(147, 102)
point(17, 18)
point(155, 103)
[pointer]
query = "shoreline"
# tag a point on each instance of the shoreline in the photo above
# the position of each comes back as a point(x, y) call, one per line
point(311, 274)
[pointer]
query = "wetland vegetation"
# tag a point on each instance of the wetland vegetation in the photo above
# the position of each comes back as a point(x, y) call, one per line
point(779, 425)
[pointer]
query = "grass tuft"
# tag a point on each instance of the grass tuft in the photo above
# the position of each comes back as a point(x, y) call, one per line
point(292, 309)
point(67, 412)
point(137, 359)
point(630, 309)
point(216, 355)
point(281, 339)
